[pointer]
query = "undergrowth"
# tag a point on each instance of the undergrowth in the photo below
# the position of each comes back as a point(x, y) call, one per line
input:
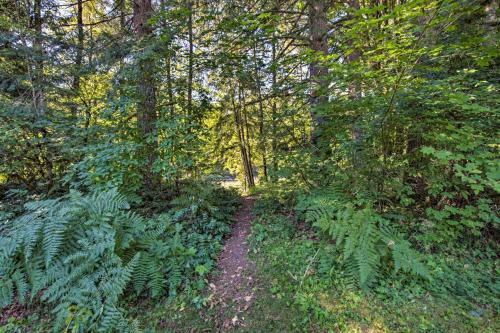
point(88, 257)
point(310, 273)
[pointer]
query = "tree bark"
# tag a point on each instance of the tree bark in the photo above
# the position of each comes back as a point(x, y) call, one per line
point(353, 93)
point(274, 87)
point(246, 136)
point(121, 9)
point(79, 54)
point(170, 90)
point(189, 6)
point(38, 95)
point(38, 98)
point(262, 138)
point(146, 112)
point(318, 32)
point(168, 64)
point(240, 133)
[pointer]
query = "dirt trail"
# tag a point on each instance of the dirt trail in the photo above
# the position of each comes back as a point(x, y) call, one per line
point(231, 287)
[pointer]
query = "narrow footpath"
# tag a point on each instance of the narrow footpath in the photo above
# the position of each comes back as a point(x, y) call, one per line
point(231, 286)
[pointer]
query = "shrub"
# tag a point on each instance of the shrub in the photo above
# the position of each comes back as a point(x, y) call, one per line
point(82, 253)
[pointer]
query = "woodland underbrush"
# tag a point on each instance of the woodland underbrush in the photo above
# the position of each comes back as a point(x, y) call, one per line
point(346, 269)
point(82, 262)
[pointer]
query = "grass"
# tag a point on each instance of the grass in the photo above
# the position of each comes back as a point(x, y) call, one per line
point(308, 291)
point(178, 315)
point(300, 286)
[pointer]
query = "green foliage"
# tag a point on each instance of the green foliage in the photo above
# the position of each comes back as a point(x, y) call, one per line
point(369, 245)
point(108, 165)
point(73, 251)
point(406, 117)
point(270, 227)
point(80, 254)
point(462, 180)
point(307, 276)
point(274, 197)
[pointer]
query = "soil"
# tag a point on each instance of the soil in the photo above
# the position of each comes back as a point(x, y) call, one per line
point(231, 287)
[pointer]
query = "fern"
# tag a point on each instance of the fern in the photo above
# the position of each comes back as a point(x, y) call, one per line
point(75, 250)
point(365, 237)
point(6, 292)
point(82, 252)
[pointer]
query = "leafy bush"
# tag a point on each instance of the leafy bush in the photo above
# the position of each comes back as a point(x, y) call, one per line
point(108, 165)
point(81, 254)
point(270, 227)
point(462, 183)
point(204, 199)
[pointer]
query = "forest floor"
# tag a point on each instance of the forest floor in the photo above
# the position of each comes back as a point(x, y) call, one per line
point(231, 285)
point(274, 275)
point(238, 296)
point(240, 293)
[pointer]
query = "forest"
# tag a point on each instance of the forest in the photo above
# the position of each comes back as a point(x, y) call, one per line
point(249, 166)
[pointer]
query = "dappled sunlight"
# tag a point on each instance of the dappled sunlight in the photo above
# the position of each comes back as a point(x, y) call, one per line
point(249, 166)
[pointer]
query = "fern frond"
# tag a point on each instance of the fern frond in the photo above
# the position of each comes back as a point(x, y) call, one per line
point(6, 292)
point(83, 251)
point(361, 234)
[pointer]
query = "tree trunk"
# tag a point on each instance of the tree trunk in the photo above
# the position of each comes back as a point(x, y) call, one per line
point(79, 55)
point(189, 6)
point(249, 181)
point(262, 138)
point(169, 87)
point(38, 99)
point(318, 32)
point(146, 113)
point(38, 95)
point(246, 137)
point(121, 10)
point(353, 93)
point(168, 64)
point(274, 88)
